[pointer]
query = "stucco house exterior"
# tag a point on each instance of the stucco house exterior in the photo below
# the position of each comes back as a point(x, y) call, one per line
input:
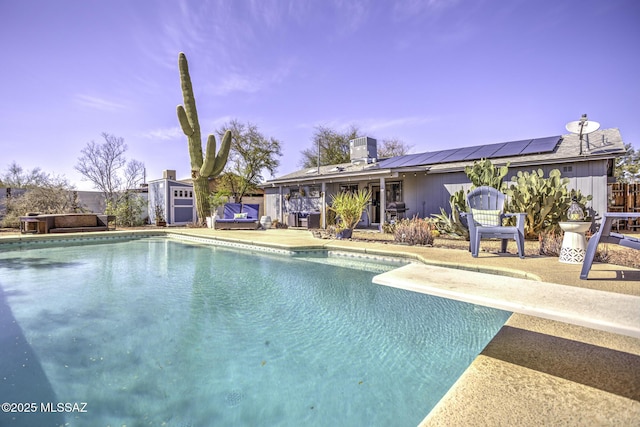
point(173, 198)
point(422, 183)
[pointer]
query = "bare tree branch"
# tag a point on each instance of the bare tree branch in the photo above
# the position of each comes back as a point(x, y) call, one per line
point(105, 165)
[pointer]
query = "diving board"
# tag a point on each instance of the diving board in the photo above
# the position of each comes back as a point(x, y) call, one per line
point(601, 310)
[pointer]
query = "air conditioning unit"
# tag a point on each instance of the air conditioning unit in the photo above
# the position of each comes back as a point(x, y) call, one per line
point(363, 149)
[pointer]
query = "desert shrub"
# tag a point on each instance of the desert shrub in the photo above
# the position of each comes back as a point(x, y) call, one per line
point(53, 198)
point(414, 231)
point(128, 210)
point(550, 243)
point(389, 227)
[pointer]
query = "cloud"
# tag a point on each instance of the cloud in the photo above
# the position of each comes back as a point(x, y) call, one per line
point(353, 15)
point(175, 132)
point(164, 134)
point(391, 123)
point(237, 83)
point(373, 124)
point(248, 83)
point(409, 9)
point(98, 103)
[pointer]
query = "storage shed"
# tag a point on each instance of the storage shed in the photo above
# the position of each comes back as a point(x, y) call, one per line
point(171, 200)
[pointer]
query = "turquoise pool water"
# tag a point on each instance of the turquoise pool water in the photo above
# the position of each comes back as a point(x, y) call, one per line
point(154, 332)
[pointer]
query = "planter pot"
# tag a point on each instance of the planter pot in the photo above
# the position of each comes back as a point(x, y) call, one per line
point(211, 221)
point(265, 222)
point(344, 234)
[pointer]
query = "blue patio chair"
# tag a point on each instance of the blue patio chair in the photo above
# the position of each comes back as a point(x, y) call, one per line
point(485, 220)
point(604, 235)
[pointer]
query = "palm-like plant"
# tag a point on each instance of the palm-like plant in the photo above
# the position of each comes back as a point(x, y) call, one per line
point(349, 206)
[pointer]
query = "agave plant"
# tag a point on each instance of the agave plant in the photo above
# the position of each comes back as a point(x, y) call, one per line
point(452, 224)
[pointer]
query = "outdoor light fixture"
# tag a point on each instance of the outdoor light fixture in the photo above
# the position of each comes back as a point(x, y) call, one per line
point(575, 212)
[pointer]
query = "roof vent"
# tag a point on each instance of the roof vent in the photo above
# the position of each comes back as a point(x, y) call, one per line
point(363, 149)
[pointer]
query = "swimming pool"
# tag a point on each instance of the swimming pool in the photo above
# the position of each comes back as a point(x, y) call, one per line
point(159, 332)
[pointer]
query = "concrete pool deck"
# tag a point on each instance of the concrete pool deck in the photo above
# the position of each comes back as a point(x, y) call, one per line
point(537, 370)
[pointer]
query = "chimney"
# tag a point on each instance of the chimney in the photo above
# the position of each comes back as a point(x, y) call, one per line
point(169, 174)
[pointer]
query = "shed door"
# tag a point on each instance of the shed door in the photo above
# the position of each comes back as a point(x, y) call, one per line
point(183, 207)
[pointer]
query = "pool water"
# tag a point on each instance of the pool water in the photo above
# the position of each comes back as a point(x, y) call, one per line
point(154, 332)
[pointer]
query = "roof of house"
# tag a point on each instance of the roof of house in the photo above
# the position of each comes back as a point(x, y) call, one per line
point(602, 144)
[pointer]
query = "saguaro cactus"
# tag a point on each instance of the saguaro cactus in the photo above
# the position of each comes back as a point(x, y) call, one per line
point(209, 166)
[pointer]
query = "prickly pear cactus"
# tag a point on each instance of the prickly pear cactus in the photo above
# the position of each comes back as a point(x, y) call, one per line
point(544, 200)
point(209, 165)
point(484, 173)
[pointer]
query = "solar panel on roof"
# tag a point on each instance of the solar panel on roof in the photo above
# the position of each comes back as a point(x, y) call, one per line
point(485, 151)
point(541, 145)
point(439, 156)
point(512, 148)
point(461, 153)
point(388, 162)
point(503, 149)
point(424, 158)
point(407, 161)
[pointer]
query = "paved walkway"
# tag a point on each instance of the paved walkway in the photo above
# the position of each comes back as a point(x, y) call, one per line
point(536, 371)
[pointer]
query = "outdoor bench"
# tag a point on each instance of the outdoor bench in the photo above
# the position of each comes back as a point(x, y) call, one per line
point(66, 223)
point(238, 216)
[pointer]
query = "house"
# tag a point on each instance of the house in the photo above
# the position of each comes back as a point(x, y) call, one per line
point(420, 184)
point(171, 200)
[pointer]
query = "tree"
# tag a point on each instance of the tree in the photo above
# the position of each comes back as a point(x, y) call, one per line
point(106, 167)
point(45, 194)
point(393, 147)
point(627, 167)
point(17, 177)
point(333, 146)
point(209, 165)
point(251, 155)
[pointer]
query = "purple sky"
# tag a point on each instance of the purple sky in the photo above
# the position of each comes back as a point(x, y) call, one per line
point(435, 74)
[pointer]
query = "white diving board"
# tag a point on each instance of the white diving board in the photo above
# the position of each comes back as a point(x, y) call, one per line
point(601, 310)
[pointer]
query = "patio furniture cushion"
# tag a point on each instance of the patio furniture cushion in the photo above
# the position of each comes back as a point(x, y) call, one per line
point(230, 209)
point(486, 217)
point(251, 210)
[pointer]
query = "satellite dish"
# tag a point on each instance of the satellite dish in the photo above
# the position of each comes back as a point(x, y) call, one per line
point(583, 127)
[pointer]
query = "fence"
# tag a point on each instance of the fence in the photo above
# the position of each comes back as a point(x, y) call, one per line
point(625, 197)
